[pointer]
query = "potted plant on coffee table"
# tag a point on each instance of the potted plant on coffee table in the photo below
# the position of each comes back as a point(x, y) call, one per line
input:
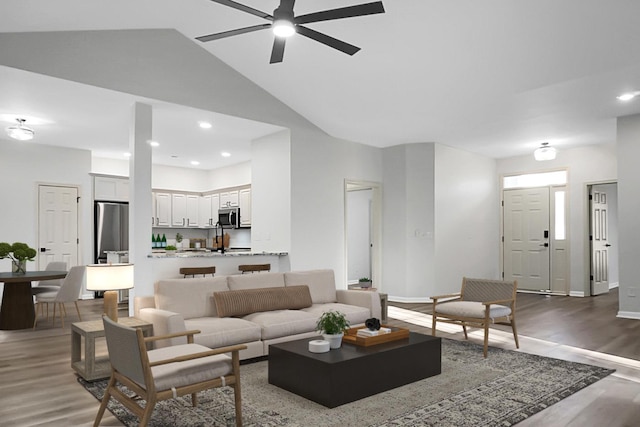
point(332, 325)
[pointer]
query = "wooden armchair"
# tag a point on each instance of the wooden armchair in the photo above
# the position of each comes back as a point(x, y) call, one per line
point(165, 373)
point(479, 303)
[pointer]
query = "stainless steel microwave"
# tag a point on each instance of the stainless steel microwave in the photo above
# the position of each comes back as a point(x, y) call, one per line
point(229, 217)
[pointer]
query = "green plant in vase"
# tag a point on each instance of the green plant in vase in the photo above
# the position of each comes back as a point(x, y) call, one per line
point(179, 240)
point(332, 324)
point(19, 253)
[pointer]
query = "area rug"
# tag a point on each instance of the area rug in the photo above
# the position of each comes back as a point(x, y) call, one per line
point(501, 390)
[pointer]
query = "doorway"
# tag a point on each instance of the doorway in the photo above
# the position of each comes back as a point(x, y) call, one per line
point(535, 239)
point(363, 231)
point(57, 225)
point(603, 237)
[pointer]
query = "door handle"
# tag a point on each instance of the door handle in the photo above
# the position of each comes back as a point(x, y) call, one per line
point(546, 245)
point(608, 245)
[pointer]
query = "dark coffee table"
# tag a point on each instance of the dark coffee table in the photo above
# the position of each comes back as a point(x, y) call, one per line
point(352, 372)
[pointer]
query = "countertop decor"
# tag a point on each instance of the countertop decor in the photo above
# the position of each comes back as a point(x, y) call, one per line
point(208, 254)
point(19, 253)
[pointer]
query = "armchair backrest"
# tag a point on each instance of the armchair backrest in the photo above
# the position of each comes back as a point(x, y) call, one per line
point(125, 350)
point(482, 290)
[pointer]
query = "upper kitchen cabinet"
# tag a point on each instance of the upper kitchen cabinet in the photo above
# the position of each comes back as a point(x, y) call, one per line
point(184, 210)
point(110, 189)
point(244, 196)
point(229, 199)
point(208, 212)
point(161, 209)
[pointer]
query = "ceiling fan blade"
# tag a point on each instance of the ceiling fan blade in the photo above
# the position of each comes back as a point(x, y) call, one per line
point(244, 8)
point(342, 12)
point(230, 33)
point(277, 53)
point(347, 48)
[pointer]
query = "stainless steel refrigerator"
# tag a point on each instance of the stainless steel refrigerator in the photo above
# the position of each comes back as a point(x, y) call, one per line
point(111, 229)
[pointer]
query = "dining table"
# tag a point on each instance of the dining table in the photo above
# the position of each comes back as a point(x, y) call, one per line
point(17, 310)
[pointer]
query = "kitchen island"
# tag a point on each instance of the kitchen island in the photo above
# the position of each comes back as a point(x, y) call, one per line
point(167, 265)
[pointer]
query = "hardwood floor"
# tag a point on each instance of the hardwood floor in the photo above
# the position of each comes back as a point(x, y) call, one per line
point(39, 388)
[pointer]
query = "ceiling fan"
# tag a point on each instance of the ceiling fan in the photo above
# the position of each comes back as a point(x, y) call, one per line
point(284, 23)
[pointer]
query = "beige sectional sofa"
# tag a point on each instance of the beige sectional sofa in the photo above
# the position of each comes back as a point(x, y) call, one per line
point(252, 309)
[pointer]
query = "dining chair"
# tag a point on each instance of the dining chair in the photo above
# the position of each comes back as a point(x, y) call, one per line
point(69, 292)
point(53, 284)
point(165, 373)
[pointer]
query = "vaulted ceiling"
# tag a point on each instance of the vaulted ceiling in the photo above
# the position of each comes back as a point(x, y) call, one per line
point(494, 77)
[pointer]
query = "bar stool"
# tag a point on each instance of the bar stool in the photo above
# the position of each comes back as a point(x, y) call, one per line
point(192, 271)
point(252, 268)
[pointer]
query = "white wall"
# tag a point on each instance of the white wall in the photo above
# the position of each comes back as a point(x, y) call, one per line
point(467, 219)
point(230, 176)
point(628, 207)
point(408, 221)
point(586, 165)
point(24, 165)
point(271, 193)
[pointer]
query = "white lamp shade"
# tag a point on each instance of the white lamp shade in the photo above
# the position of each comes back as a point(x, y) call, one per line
point(109, 277)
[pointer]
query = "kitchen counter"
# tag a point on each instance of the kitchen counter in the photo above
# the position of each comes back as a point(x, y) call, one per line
point(208, 254)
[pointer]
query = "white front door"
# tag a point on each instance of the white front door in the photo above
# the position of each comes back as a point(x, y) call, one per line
point(599, 243)
point(57, 225)
point(526, 238)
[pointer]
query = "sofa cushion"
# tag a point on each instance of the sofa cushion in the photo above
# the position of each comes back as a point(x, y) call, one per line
point(255, 280)
point(322, 284)
point(223, 331)
point(355, 314)
point(246, 301)
point(282, 323)
point(189, 297)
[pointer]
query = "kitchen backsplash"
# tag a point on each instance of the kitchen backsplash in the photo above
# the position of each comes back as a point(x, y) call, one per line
point(239, 237)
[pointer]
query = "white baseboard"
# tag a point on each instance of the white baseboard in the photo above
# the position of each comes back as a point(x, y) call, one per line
point(614, 285)
point(409, 300)
point(579, 294)
point(628, 315)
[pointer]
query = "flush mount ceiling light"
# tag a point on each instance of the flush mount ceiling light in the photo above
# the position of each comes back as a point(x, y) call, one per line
point(628, 96)
point(195, 162)
point(154, 143)
point(20, 132)
point(204, 125)
point(545, 152)
point(225, 154)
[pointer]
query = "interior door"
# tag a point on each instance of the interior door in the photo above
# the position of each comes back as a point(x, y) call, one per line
point(599, 243)
point(57, 225)
point(526, 238)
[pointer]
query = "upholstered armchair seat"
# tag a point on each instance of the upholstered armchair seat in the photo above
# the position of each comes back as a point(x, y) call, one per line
point(180, 374)
point(473, 309)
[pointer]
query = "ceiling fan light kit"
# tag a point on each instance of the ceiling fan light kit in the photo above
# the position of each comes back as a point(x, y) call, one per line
point(284, 24)
point(545, 152)
point(20, 131)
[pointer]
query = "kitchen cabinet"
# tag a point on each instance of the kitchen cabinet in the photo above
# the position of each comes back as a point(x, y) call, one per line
point(110, 189)
point(229, 198)
point(184, 210)
point(161, 209)
point(208, 210)
point(244, 197)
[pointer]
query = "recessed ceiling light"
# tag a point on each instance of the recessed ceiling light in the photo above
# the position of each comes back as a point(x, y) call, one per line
point(205, 125)
point(225, 154)
point(195, 162)
point(127, 154)
point(154, 143)
point(628, 96)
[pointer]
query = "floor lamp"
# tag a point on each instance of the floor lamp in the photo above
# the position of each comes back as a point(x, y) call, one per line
point(110, 278)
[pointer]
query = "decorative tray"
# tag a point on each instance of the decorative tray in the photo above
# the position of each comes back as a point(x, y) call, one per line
point(351, 337)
